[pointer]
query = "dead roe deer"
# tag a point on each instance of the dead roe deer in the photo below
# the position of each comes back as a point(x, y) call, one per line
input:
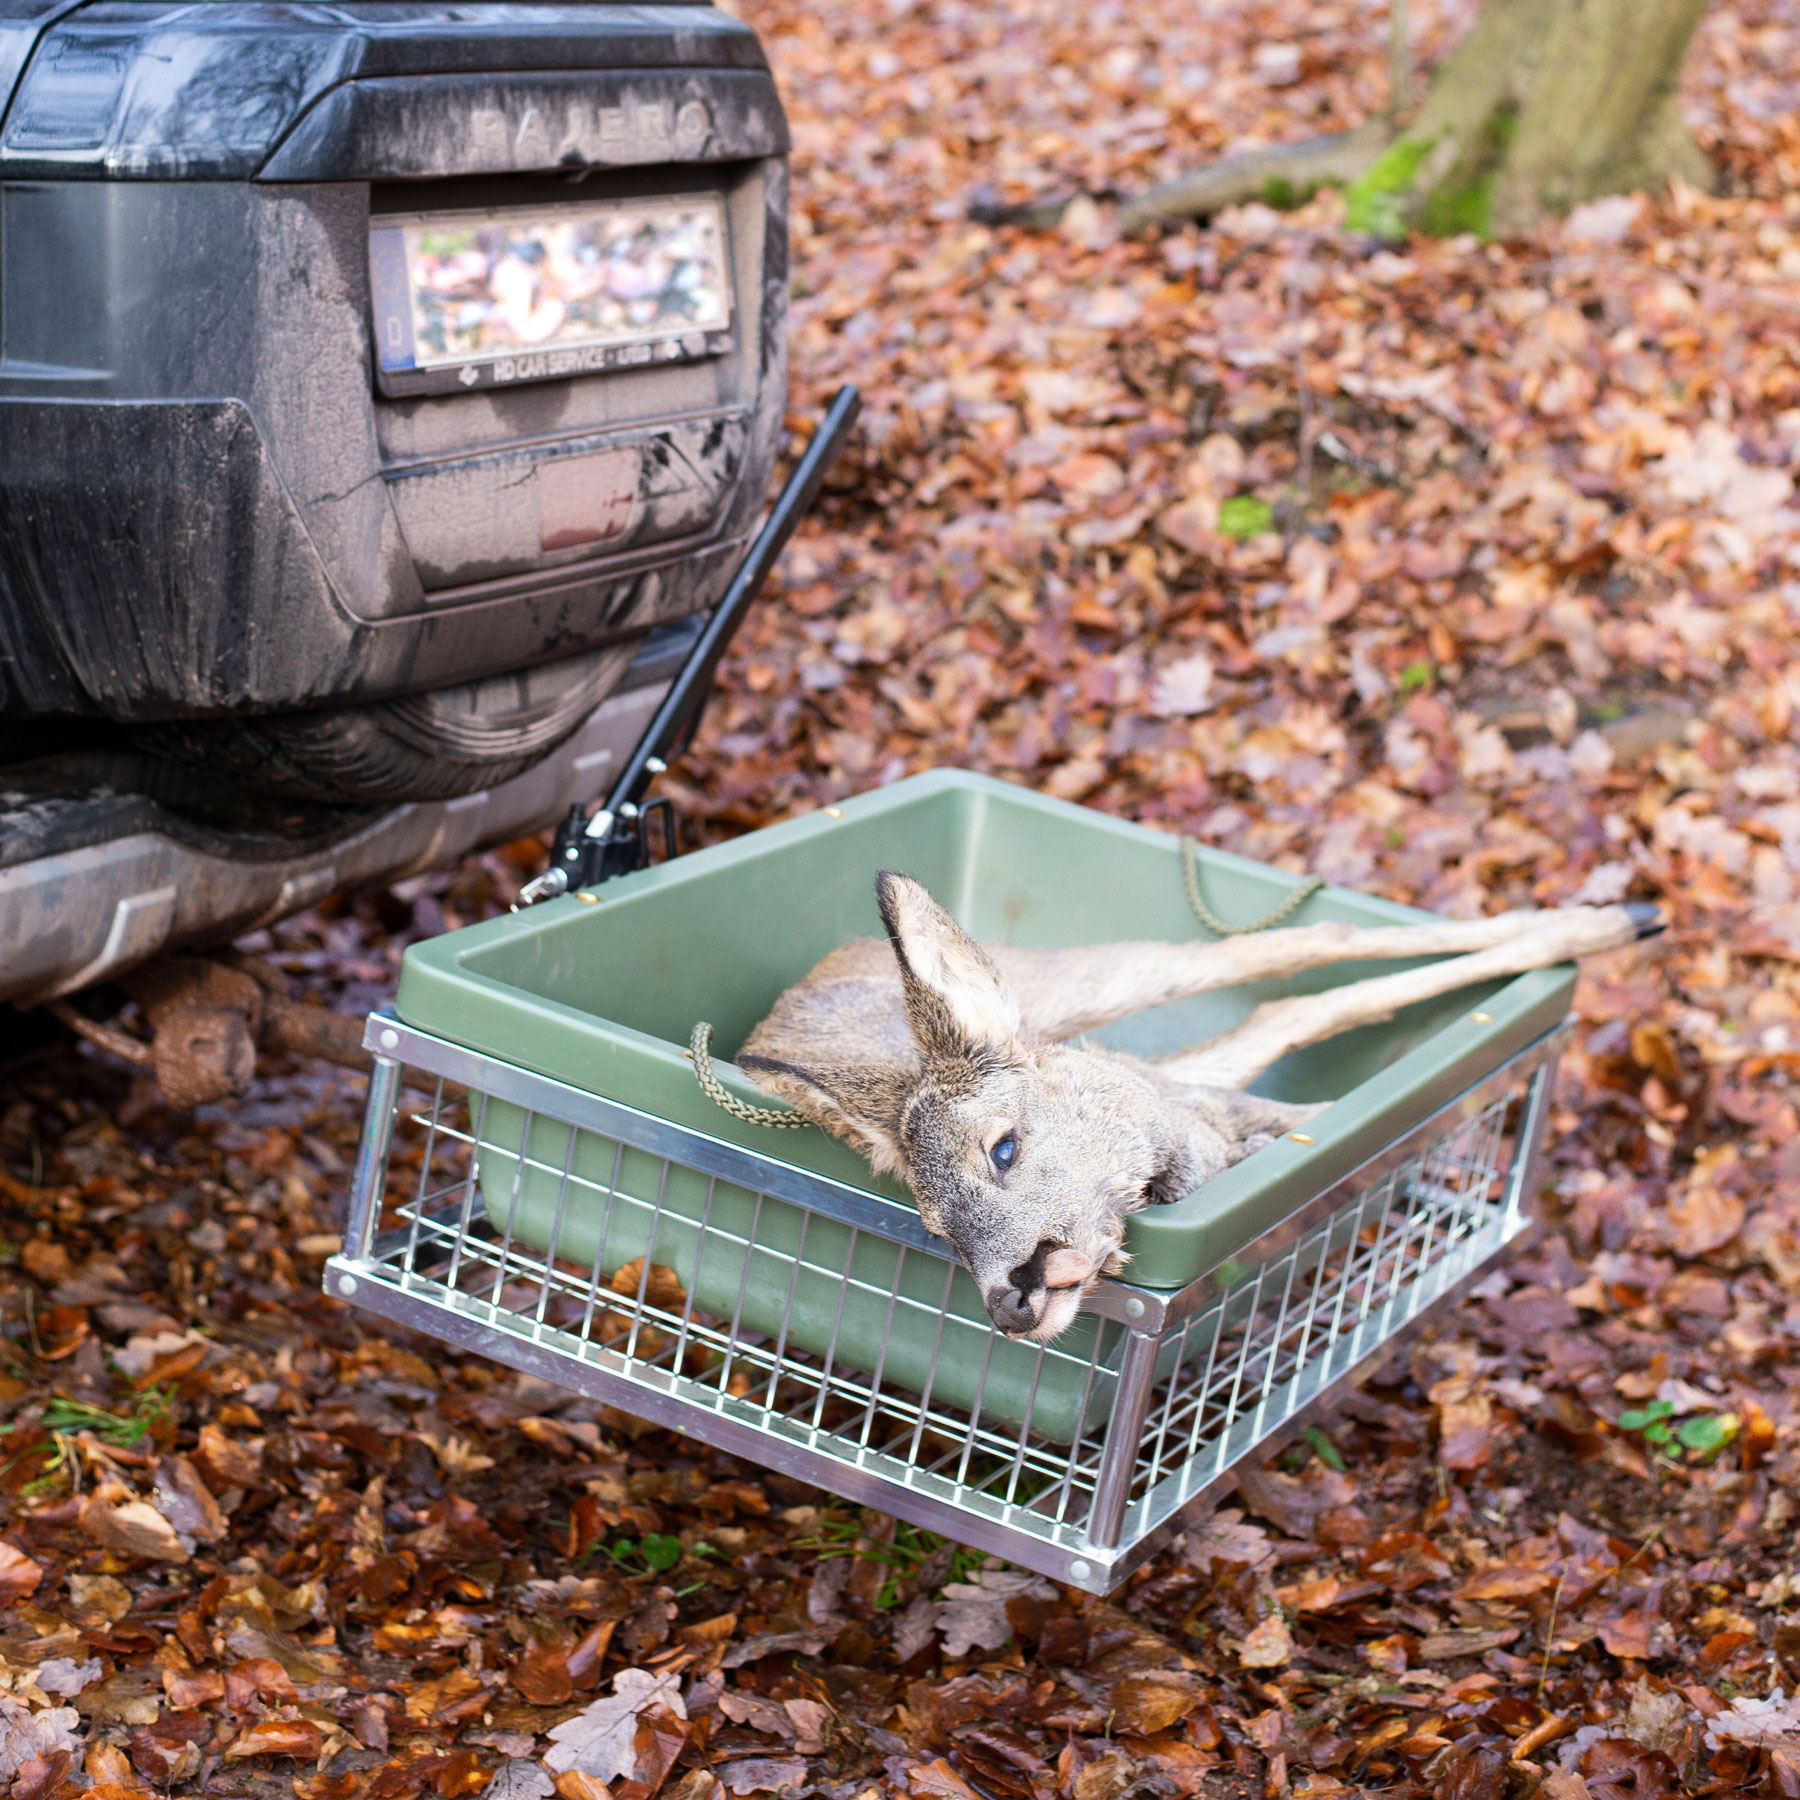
point(945, 1062)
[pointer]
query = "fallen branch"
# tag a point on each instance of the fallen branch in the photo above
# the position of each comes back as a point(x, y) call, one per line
point(1341, 157)
point(105, 1037)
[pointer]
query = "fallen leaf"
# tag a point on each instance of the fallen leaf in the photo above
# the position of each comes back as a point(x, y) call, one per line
point(25, 1734)
point(299, 1738)
point(936, 1778)
point(40, 1776)
point(1145, 1704)
point(915, 1628)
point(812, 1722)
point(1564, 1784)
point(1106, 1778)
point(542, 1675)
point(974, 1611)
point(1294, 1504)
point(1704, 1218)
point(1184, 688)
point(132, 1528)
point(601, 1740)
point(193, 1687)
point(1442, 1646)
point(661, 1737)
point(164, 1757)
point(98, 1600)
point(1764, 1724)
point(519, 1778)
point(187, 1503)
point(1633, 1633)
point(1226, 1538)
point(1618, 1768)
point(765, 1774)
point(1268, 1645)
point(448, 1699)
point(61, 1331)
point(1658, 1721)
point(228, 1462)
point(662, 1288)
point(1506, 1581)
point(19, 1575)
point(707, 1632)
point(758, 1712)
point(65, 1677)
point(1404, 1560)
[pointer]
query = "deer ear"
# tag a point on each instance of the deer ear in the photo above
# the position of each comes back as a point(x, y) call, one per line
point(856, 1105)
point(956, 1000)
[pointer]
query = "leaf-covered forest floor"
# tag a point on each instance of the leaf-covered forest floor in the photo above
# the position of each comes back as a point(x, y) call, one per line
point(1468, 574)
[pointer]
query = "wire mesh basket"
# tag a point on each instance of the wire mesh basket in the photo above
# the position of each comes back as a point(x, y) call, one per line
point(817, 1329)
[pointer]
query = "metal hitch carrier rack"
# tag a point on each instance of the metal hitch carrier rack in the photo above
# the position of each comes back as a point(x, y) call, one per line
point(1178, 1388)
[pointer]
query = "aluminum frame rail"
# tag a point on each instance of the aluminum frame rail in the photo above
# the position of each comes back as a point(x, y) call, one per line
point(1177, 1388)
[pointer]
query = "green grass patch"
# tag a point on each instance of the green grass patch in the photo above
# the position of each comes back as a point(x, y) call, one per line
point(1323, 1448)
point(1701, 1435)
point(1243, 516)
point(652, 1554)
point(904, 1556)
point(124, 1431)
point(66, 1420)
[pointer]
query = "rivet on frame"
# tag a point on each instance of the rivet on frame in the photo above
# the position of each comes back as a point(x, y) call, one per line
point(1482, 1018)
point(1300, 1137)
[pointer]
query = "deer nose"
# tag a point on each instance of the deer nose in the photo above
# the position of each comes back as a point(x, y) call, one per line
point(1011, 1310)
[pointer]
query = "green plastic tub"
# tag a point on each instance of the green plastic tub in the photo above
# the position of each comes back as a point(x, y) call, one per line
point(601, 991)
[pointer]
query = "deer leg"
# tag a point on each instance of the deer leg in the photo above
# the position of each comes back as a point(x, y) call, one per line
point(1236, 1058)
point(1063, 993)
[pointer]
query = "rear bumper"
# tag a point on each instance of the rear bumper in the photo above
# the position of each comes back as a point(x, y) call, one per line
point(75, 917)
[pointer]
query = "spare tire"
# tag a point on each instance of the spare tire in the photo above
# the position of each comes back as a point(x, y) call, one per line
point(432, 746)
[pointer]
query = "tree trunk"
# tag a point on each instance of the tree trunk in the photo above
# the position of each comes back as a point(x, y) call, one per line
point(1544, 104)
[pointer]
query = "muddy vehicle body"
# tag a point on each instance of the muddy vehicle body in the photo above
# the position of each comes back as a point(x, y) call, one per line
point(388, 391)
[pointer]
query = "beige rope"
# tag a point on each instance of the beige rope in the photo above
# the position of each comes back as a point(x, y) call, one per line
point(700, 1049)
point(1190, 859)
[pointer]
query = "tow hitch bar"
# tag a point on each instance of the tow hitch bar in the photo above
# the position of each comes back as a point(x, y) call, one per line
point(616, 840)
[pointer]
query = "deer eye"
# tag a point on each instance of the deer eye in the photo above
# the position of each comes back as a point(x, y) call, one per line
point(1005, 1153)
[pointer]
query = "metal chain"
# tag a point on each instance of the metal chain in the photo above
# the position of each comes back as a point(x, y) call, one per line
point(1190, 862)
point(700, 1049)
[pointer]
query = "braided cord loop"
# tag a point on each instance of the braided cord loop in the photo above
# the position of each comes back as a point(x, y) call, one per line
point(700, 1049)
point(1190, 879)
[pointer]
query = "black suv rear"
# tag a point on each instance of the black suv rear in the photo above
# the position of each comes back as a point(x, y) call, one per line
point(375, 377)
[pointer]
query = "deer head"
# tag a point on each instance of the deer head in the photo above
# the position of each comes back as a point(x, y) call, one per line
point(1027, 1157)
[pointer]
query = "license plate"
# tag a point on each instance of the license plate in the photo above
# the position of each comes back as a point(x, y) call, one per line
point(476, 299)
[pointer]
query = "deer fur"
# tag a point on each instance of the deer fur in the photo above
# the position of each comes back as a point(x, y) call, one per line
point(947, 1063)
